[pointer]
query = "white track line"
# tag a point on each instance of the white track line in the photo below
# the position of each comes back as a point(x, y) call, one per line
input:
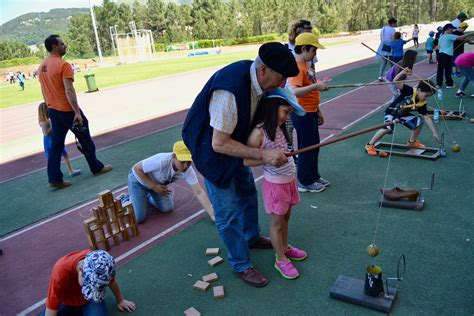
point(177, 225)
point(103, 148)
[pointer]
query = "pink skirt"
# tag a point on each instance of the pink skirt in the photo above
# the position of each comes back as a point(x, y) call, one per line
point(279, 197)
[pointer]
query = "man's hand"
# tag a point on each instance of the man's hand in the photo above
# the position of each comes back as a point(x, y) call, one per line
point(321, 118)
point(126, 306)
point(78, 119)
point(436, 138)
point(161, 189)
point(274, 157)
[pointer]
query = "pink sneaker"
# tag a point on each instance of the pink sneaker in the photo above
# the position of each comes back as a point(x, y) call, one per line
point(286, 268)
point(295, 254)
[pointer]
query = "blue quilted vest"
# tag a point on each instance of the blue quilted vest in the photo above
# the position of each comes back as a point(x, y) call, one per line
point(217, 168)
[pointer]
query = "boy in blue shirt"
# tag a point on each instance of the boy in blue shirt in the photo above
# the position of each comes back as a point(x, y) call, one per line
point(397, 47)
point(429, 47)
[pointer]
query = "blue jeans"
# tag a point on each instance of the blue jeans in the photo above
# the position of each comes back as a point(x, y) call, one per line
point(141, 196)
point(307, 131)
point(236, 212)
point(90, 309)
point(61, 123)
point(468, 73)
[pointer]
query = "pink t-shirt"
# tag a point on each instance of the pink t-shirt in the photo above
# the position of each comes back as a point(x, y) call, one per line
point(465, 60)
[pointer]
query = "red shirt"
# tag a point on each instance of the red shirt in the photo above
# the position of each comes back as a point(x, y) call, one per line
point(64, 286)
point(52, 72)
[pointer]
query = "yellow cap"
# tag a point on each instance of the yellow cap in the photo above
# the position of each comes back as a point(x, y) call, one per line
point(308, 39)
point(181, 151)
point(463, 25)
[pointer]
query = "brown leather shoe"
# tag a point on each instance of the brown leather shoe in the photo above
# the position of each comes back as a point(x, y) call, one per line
point(105, 169)
point(59, 185)
point(395, 194)
point(262, 243)
point(253, 277)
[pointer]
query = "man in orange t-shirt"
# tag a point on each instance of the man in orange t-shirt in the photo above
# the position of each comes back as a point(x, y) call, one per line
point(56, 78)
point(78, 282)
point(307, 90)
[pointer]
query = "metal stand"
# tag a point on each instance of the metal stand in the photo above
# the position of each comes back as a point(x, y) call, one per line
point(428, 153)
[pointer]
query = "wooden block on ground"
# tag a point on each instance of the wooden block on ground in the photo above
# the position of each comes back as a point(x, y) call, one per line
point(218, 291)
point(201, 285)
point(192, 312)
point(210, 277)
point(212, 251)
point(215, 261)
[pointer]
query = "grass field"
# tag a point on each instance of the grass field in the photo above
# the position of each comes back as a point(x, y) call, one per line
point(116, 75)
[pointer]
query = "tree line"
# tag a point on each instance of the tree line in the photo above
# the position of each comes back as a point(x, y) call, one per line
point(216, 19)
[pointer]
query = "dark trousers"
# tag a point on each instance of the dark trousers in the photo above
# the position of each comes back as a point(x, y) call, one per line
point(61, 123)
point(307, 132)
point(445, 67)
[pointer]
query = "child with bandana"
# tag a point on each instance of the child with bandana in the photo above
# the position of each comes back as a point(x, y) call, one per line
point(78, 282)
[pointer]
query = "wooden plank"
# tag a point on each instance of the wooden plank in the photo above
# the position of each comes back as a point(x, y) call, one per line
point(201, 285)
point(218, 291)
point(351, 290)
point(212, 251)
point(415, 151)
point(192, 312)
point(403, 203)
point(215, 261)
point(210, 277)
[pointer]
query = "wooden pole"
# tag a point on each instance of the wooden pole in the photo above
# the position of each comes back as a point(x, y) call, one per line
point(338, 139)
point(394, 63)
point(348, 85)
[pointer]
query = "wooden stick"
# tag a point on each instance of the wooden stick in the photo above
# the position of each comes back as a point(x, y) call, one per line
point(394, 63)
point(348, 85)
point(338, 139)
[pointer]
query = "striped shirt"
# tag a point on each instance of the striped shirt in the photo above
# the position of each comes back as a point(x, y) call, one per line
point(223, 106)
point(285, 173)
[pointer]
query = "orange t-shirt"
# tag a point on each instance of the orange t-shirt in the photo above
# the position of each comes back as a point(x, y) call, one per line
point(64, 287)
point(52, 72)
point(310, 101)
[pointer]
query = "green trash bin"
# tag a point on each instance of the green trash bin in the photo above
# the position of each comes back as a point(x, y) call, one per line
point(91, 85)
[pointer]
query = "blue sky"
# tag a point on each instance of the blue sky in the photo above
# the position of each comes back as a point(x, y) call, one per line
point(10, 9)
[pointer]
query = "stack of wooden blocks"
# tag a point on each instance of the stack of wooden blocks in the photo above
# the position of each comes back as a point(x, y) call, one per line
point(111, 220)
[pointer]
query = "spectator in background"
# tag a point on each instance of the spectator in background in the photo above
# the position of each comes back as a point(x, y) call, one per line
point(385, 47)
point(459, 19)
point(459, 47)
point(56, 79)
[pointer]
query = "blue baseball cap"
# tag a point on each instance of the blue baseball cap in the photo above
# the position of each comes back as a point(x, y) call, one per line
point(290, 98)
point(431, 33)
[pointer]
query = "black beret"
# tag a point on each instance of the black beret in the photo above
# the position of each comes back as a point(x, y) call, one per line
point(279, 58)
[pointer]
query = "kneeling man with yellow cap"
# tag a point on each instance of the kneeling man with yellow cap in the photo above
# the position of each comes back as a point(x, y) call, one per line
point(148, 181)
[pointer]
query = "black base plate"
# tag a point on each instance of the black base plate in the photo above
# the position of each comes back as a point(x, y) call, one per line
point(351, 290)
point(403, 203)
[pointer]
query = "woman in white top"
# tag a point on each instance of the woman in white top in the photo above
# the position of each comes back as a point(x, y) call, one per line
point(416, 31)
point(385, 47)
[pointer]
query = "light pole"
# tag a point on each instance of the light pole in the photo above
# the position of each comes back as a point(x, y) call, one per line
point(95, 32)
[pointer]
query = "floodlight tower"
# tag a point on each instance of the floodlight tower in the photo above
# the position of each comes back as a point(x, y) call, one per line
point(95, 32)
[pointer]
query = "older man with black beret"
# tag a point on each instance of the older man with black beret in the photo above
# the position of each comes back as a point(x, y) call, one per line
point(216, 131)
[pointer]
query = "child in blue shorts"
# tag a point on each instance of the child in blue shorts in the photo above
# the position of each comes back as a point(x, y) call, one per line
point(45, 124)
point(410, 108)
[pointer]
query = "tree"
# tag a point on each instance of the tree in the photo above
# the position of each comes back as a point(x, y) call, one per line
point(13, 49)
point(80, 37)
